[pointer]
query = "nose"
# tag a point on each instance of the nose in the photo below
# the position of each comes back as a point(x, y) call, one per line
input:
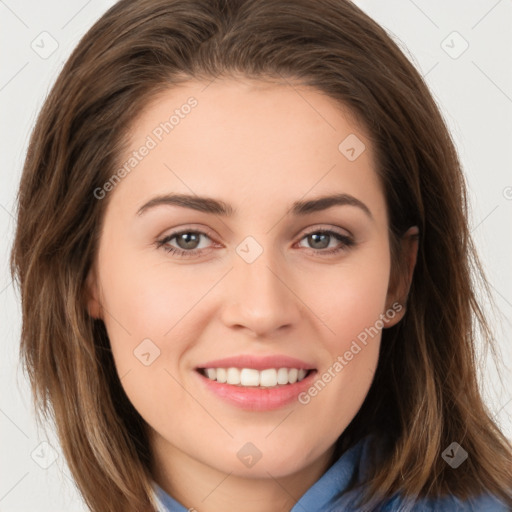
point(259, 296)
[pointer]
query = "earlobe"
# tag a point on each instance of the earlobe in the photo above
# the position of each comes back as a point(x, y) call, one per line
point(92, 296)
point(400, 284)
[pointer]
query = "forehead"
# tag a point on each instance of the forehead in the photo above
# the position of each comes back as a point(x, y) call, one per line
point(245, 140)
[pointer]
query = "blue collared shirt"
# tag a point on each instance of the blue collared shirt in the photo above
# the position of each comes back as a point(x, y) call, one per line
point(329, 493)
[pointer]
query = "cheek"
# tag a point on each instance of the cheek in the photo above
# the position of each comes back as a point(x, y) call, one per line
point(147, 316)
point(351, 309)
point(352, 297)
point(153, 315)
point(145, 297)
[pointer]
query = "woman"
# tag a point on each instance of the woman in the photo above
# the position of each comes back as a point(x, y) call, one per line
point(244, 260)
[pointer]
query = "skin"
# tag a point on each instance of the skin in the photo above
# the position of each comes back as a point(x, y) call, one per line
point(259, 147)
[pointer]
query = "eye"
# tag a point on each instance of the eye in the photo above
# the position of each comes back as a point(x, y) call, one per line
point(188, 242)
point(320, 240)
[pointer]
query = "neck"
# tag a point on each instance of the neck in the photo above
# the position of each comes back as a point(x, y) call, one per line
point(201, 487)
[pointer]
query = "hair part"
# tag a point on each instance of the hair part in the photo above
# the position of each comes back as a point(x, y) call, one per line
point(425, 391)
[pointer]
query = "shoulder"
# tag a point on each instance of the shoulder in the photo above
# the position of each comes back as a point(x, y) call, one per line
point(485, 502)
point(482, 503)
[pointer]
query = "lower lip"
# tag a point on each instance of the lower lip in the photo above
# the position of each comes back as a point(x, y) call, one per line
point(258, 399)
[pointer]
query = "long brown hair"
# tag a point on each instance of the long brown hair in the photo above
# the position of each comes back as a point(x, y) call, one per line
point(425, 393)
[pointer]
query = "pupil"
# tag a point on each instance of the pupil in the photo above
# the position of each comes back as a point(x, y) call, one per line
point(314, 238)
point(189, 238)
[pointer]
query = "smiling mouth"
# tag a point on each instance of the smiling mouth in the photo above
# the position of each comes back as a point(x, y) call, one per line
point(252, 378)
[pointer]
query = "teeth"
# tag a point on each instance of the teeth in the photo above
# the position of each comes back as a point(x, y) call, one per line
point(233, 376)
point(282, 376)
point(268, 378)
point(248, 377)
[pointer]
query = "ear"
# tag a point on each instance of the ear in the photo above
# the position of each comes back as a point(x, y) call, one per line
point(92, 299)
point(401, 276)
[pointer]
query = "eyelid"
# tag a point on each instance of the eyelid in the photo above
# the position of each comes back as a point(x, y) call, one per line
point(305, 231)
point(326, 227)
point(192, 228)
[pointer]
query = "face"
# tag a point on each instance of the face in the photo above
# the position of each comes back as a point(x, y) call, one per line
point(261, 272)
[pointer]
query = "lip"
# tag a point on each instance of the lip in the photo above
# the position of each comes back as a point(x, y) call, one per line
point(257, 399)
point(258, 363)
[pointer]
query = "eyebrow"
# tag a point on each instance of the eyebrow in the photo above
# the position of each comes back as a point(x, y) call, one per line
point(218, 207)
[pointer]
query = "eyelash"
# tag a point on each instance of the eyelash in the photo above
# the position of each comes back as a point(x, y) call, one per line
point(347, 243)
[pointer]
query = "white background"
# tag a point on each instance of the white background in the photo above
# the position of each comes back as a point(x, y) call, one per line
point(473, 90)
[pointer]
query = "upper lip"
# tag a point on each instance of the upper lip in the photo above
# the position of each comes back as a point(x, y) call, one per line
point(258, 363)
